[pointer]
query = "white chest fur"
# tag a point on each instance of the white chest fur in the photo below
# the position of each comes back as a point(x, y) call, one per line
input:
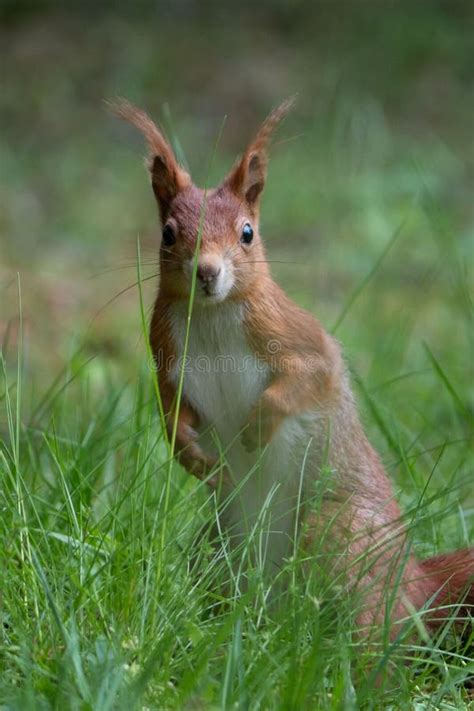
point(223, 379)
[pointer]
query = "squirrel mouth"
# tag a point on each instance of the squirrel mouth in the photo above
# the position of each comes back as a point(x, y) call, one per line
point(210, 295)
point(208, 292)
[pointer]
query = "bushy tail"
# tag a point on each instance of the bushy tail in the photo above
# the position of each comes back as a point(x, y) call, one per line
point(451, 577)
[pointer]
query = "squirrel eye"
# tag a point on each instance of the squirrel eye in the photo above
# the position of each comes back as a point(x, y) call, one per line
point(247, 234)
point(169, 237)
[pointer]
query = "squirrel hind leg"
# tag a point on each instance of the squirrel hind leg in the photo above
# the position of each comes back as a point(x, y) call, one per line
point(452, 586)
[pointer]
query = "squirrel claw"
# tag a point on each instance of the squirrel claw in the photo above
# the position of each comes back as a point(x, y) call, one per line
point(248, 439)
point(221, 478)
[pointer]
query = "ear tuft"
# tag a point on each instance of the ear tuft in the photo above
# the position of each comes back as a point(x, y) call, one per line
point(247, 178)
point(167, 176)
point(266, 130)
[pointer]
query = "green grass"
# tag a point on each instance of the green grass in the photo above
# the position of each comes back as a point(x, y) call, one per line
point(105, 602)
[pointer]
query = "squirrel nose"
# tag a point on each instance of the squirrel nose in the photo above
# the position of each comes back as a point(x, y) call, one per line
point(208, 273)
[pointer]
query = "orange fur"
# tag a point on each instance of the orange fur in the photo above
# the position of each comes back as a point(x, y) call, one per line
point(306, 378)
point(167, 176)
point(450, 578)
point(190, 454)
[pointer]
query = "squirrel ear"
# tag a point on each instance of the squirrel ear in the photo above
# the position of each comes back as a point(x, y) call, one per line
point(167, 176)
point(247, 178)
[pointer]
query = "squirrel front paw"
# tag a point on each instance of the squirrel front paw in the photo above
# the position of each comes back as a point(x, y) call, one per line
point(260, 428)
point(197, 463)
point(220, 478)
point(209, 470)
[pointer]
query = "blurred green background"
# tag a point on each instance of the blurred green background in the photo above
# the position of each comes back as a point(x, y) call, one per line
point(368, 210)
point(368, 222)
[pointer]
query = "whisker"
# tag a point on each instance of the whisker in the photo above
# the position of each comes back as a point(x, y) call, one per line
point(123, 291)
point(168, 251)
point(272, 261)
point(121, 268)
point(256, 271)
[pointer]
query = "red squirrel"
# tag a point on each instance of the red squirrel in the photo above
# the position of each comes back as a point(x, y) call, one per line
point(266, 404)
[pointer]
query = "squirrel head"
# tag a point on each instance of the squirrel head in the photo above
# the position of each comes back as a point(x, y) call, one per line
point(231, 260)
